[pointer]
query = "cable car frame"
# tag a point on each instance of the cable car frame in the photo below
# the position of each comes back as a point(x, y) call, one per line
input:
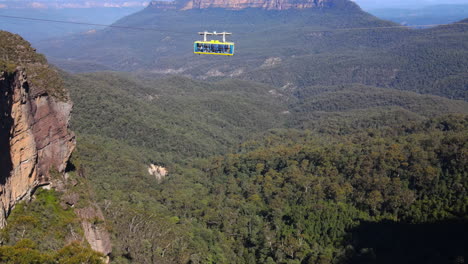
point(214, 47)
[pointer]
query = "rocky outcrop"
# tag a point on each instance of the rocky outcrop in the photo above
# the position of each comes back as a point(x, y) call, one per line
point(34, 140)
point(92, 221)
point(242, 4)
point(158, 172)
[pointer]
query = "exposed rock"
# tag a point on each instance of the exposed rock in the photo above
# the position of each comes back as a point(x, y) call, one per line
point(168, 71)
point(157, 171)
point(237, 72)
point(271, 62)
point(242, 4)
point(165, 5)
point(288, 87)
point(34, 139)
point(92, 221)
point(214, 73)
point(275, 93)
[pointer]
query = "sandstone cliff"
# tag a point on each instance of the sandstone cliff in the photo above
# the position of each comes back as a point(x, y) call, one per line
point(35, 111)
point(242, 4)
point(35, 141)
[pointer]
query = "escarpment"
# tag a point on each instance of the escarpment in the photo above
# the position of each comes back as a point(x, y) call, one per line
point(35, 140)
point(243, 4)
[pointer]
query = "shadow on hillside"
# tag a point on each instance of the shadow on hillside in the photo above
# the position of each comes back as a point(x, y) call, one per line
point(6, 122)
point(429, 243)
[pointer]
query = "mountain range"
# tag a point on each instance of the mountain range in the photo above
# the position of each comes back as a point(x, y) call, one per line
point(428, 15)
point(285, 48)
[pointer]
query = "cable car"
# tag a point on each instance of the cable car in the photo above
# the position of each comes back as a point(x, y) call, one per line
point(214, 47)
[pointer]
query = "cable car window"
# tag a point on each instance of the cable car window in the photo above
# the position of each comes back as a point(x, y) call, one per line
point(216, 47)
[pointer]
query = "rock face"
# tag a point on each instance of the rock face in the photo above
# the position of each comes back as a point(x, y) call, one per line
point(242, 4)
point(35, 139)
point(158, 172)
point(35, 142)
point(92, 221)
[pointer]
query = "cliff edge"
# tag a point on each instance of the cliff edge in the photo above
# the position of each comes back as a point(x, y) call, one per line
point(243, 4)
point(35, 140)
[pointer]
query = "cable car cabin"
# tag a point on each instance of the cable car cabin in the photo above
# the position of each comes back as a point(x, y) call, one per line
point(214, 47)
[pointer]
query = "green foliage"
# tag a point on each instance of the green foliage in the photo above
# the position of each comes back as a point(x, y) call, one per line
point(6, 66)
point(25, 252)
point(13, 48)
point(301, 166)
point(74, 253)
point(203, 118)
point(285, 194)
point(291, 197)
point(44, 221)
point(210, 118)
point(45, 231)
point(15, 51)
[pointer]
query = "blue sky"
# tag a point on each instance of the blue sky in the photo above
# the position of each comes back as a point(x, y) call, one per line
point(405, 3)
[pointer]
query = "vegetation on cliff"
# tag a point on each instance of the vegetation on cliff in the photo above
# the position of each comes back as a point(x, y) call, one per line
point(17, 52)
point(45, 231)
point(36, 144)
point(25, 251)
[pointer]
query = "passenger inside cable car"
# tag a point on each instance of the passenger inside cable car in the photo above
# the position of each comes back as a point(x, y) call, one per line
point(214, 48)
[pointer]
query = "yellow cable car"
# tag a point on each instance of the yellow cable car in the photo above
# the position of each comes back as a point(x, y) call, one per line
point(214, 47)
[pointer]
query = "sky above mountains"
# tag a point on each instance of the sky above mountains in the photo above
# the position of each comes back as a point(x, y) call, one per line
point(372, 4)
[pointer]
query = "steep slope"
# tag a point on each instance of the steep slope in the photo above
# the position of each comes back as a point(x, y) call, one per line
point(35, 112)
point(36, 145)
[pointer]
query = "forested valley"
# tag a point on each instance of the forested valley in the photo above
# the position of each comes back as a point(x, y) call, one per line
point(343, 147)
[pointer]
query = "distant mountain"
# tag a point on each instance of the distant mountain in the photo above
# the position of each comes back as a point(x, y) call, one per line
point(429, 15)
point(171, 47)
point(335, 43)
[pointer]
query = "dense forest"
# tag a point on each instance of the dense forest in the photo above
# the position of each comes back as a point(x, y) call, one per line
point(295, 197)
point(308, 190)
point(342, 147)
point(258, 174)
